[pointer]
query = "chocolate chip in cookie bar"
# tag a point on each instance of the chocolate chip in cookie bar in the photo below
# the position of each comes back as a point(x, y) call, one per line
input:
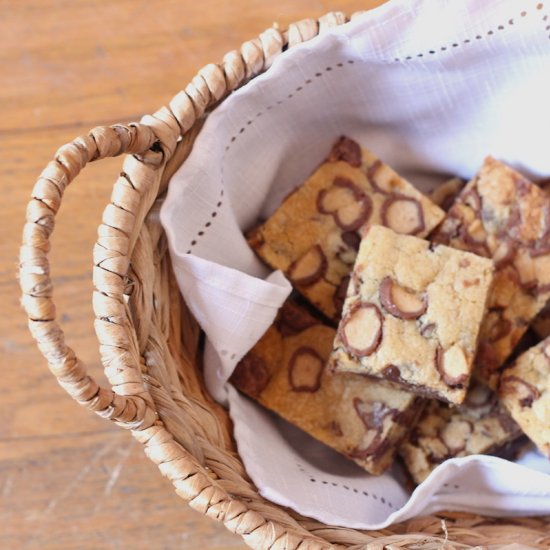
point(313, 237)
point(479, 426)
point(503, 216)
point(412, 314)
point(362, 418)
point(525, 391)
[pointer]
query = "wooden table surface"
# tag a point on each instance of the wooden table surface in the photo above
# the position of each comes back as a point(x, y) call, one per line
point(67, 478)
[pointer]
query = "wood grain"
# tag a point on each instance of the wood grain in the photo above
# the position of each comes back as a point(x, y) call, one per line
point(127, 503)
point(68, 479)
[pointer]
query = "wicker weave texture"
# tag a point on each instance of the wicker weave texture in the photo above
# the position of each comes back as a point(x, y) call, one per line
point(149, 342)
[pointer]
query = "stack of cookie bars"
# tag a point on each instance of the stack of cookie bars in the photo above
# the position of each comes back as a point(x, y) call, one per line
point(406, 311)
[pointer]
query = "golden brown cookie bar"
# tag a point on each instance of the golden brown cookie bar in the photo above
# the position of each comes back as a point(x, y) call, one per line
point(412, 314)
point(503, 216)
point(361, 418)
point(479, 426)
point(445, 194)
point(525, 391)
point(313, 236)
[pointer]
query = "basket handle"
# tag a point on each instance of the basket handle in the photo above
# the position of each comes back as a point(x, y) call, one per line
point(132, 411)
point(156, 143)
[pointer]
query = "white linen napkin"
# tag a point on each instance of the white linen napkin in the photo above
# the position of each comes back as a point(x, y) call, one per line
point(432, 87)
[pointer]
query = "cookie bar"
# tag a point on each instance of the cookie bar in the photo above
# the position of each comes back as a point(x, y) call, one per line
point(313, 236)
point(361, 418)
point(479, 426)
point(445, 194)
point(412, 314)
point(503, 216)
point(525, 391)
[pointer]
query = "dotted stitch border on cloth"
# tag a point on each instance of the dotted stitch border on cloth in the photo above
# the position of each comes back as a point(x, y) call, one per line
point(545, 19)
point(347, 488)
point(225, 352)
point(489, 33)
point(233, 139)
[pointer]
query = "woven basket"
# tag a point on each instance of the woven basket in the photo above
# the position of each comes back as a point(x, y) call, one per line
point(149, 342)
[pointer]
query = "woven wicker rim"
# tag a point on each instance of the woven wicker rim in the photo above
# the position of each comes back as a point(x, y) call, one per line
point(149, 347)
